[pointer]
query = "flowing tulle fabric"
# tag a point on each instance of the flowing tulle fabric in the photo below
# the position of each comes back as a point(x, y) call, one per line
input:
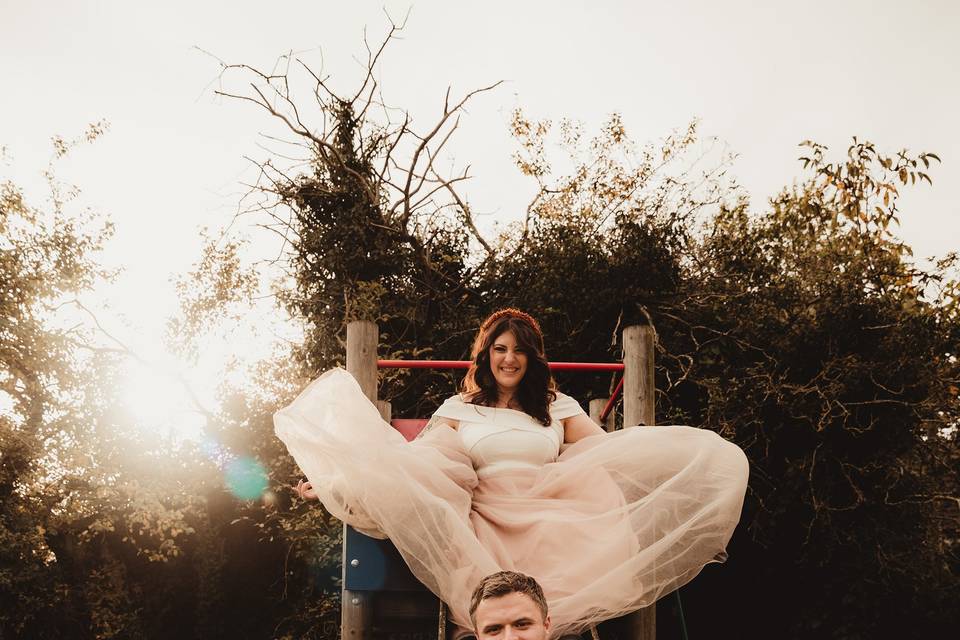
point(618, 521)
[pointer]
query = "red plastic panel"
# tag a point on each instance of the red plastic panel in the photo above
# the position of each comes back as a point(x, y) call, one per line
point(409, 427)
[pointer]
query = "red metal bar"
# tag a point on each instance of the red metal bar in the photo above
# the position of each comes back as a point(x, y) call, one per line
point(465, 364)
point(611, 402)
point(423, 364)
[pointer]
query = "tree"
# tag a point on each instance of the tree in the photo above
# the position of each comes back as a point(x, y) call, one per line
point(814, 341)
point(45, 257)
point(802, 331)
point(96, 516)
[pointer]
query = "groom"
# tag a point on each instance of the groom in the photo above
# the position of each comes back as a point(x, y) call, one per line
point(509, 606)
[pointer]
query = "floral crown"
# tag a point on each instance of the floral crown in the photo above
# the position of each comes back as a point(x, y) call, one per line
point(511, 313)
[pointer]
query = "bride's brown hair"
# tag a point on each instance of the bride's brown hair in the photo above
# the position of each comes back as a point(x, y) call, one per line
point(536, 389)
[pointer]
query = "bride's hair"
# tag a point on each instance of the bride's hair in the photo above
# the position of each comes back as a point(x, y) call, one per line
point(537, 388)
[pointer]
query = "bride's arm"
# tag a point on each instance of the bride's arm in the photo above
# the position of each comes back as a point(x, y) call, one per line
point(579, 427)
point(435, 422)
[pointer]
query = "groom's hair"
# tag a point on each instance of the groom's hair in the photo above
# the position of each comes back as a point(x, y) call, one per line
point(503, 583)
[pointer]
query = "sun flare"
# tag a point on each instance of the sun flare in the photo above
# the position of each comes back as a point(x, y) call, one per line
point(157, 401)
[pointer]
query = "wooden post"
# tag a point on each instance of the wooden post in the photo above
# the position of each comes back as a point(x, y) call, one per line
point(639, 399)
point(356, 615)
point(597, 406)
point(386, 409)
point(639, 402)
point(362, 339)
point(356, 607)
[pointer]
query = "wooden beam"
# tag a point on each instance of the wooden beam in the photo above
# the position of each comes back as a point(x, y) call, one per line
point(362, 339)
point(639, 404)
point(356, 615)
point(639, 393)
point(356, 607)
point(596, 408)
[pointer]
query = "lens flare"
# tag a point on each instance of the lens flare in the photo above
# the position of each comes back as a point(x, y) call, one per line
point(246, 478)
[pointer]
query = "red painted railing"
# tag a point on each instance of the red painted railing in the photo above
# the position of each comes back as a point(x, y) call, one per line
point(611, 402)
point(465, 364)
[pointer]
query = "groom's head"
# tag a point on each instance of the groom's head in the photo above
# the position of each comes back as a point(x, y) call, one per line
point(509, 606)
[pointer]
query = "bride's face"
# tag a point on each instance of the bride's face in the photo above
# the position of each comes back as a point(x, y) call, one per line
point(508, 362)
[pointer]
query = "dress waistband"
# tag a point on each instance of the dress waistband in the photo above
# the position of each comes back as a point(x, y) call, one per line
point(501, 467)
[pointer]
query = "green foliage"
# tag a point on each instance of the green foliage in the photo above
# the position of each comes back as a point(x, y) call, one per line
point(99, 521)
point(811, 340)
point(803, 332)
point(214, 290)
point(801, 329)
point(44, 258)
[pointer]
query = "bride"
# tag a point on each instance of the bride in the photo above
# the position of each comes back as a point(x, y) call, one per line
point(608, 526)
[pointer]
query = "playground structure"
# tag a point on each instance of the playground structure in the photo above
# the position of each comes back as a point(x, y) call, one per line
point(378, 590)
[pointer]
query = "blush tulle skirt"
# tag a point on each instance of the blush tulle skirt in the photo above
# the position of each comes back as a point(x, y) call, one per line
point(618, 521)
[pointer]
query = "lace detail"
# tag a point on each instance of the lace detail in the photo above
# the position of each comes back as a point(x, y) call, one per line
point(434, 422)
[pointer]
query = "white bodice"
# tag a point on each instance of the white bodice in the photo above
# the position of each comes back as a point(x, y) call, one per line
point(498, 439)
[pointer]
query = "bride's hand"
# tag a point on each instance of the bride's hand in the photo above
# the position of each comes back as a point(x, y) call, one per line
point(305, 491)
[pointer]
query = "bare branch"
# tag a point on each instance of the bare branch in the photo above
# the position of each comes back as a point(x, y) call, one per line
point(467, 215)
point(447, 113)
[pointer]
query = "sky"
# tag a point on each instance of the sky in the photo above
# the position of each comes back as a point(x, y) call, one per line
point(761, 77)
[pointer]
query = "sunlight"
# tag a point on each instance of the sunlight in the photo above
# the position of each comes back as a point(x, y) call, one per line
point(6, 406)
point(158, 402)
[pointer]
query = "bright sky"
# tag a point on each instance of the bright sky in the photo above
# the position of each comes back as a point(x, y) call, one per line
point(761, 76)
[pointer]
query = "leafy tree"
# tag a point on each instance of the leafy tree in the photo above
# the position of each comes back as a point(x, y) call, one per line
point(803, 331)
point(44, 258)
point(806, 334)
point(95, 516)
point(815, 342)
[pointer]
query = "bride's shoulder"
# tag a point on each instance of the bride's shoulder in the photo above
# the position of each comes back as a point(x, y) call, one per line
point(453, 410)
point(564, 407)
point(456, 400)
